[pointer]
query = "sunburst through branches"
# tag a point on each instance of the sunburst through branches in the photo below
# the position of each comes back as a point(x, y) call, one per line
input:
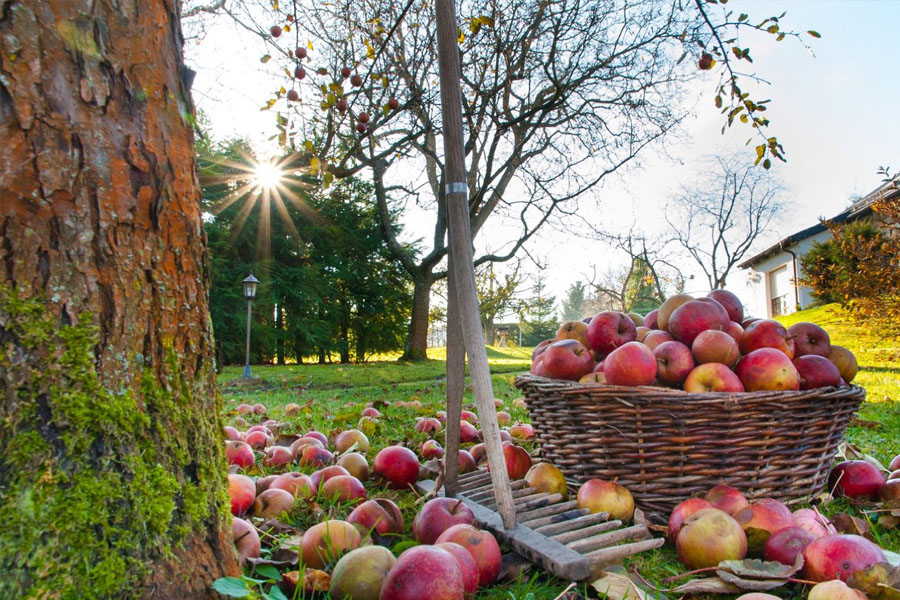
point(264, 183)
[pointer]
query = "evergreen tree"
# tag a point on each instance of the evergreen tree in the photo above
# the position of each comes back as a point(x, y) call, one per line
point(573, 306)
point(539, 320)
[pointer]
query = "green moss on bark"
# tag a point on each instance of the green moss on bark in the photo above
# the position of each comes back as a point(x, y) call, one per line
point(95, 486)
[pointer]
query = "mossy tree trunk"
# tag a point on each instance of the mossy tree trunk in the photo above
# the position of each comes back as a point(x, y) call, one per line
point(112, 474)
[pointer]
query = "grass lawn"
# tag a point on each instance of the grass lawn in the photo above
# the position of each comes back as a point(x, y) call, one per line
point(334, 395)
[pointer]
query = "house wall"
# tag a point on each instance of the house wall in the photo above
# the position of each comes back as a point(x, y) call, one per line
point(760, 296)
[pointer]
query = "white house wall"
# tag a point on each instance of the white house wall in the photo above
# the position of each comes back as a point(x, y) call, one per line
point(760, 304)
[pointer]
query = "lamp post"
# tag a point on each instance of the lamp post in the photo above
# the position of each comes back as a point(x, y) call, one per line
point(250, 284)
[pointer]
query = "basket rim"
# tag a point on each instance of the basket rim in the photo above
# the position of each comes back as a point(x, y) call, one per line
point(567, 387)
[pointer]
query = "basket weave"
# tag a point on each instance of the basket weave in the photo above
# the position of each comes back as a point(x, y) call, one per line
point(668, 445)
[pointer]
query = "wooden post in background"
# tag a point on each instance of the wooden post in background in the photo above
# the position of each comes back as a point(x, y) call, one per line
point(460, 239)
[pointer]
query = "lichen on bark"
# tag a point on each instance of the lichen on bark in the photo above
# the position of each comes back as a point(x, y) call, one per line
point(94, 485)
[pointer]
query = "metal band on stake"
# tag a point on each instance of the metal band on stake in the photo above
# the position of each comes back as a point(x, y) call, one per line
point(456, 188)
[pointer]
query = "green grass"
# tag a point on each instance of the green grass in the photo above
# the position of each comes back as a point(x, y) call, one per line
point(334, 395)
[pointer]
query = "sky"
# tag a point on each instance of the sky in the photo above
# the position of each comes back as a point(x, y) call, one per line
point(835, 113)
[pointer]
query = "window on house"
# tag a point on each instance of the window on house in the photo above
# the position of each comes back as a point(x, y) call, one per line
point(780, 287)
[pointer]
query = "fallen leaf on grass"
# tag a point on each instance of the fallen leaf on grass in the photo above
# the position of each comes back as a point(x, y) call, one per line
point(618, 586)
point(888, 521)
point(851, 452)
point(845, 523)
point(857, 422)
point(707, 585)
point(878, 582)
point(757, 575)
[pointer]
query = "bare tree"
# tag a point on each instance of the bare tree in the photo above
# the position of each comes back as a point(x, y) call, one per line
point(717, 219)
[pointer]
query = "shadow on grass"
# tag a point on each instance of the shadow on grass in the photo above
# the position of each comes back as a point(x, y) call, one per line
point(892, 370)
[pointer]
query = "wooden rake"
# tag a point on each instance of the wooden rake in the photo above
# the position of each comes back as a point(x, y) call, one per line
point(550, 532)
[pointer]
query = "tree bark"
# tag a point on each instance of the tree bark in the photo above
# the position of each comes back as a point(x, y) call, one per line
point(279, 341)
point(113, 471)
point(417, 339)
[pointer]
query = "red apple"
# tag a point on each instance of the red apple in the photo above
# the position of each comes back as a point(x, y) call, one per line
point(324, 474)
point(845, 361)
point(469, 416)
point(300, 52)
point(292, 409)
point(735, 331)
point(809, 338)
point(346, 439)
point(674, 361)
point(239, 453)
point(813, 522)
point(641, 333)
point(298, 445)
point(393, 103)
point(682, 511)
point(466, 462)
point(657, 337)
point(345, 72)
point(503, 418)
point(631, 364)
point(424, 572)
point(481, 545)
point(478, 452)
point(597, 496)
point(380, 515)
point(360, 574)
point(714, 346)
point(767, 369)
point(724, 497)
point(259, 409)
point(767, 334)
point(746, 322)
point(517, 460)
point(695, 316)
point(398, 465)
point(264, 483)
point(467, 433)
point(371, 412)
point(650, 319)
point(257, 439)
point(356, 80)
point(324, 543)
point(244, 409)
point(712, 377)
point(356, 464)
point(319, 436)
point(428, 425)
point(816, 371)
point(297, 484)
point(343, 488)
point(567, 359)
point(855, 479)
point(761, 519)
point(521, 431)
point(242, 492)
point(785, 544)
point(231, 433)
point(668, 307)
point(277, 456)
point(609, 330)
point(272, 503)
point(894, 464)
point(540, 348)
point(437, 515)
point(432, 449)
point(246, 539)
point(467, 566)
point(730, 302)
point(312, 456)
point(708, 537)
point(839, 557)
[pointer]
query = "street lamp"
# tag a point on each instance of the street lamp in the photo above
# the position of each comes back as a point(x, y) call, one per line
point(250, 284)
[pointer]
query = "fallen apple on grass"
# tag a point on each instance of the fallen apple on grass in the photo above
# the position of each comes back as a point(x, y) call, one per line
point(424, 572)
point(380, 515)
point(324, 543)
point(544, 477)
point(761, 519)
point(343, 488)
point(467, 566)
point(483, 547)
point(246, 539)
point(708, 537)
point(397, 465)
point(597, 496)
point(360, 574)
point(272, 502)
point(239, 453)
point(681, 512)
point(438, 515)
point(355, 464)
point(241, 492)
point(839, 557)
point(856, 479)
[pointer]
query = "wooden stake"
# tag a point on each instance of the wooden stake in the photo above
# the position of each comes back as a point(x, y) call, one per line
point(456, 382)
point(460, 248)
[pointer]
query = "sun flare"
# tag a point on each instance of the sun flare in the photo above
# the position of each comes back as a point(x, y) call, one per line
point(267, 175)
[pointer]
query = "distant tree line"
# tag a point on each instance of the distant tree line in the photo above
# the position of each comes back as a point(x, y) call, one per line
point(329, 289)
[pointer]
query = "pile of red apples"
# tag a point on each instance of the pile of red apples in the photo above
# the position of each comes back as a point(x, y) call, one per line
point(724, 525)
point(274, 475)
point(695, 344)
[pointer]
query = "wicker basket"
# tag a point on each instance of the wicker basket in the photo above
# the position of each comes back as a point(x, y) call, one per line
point(668, 445)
